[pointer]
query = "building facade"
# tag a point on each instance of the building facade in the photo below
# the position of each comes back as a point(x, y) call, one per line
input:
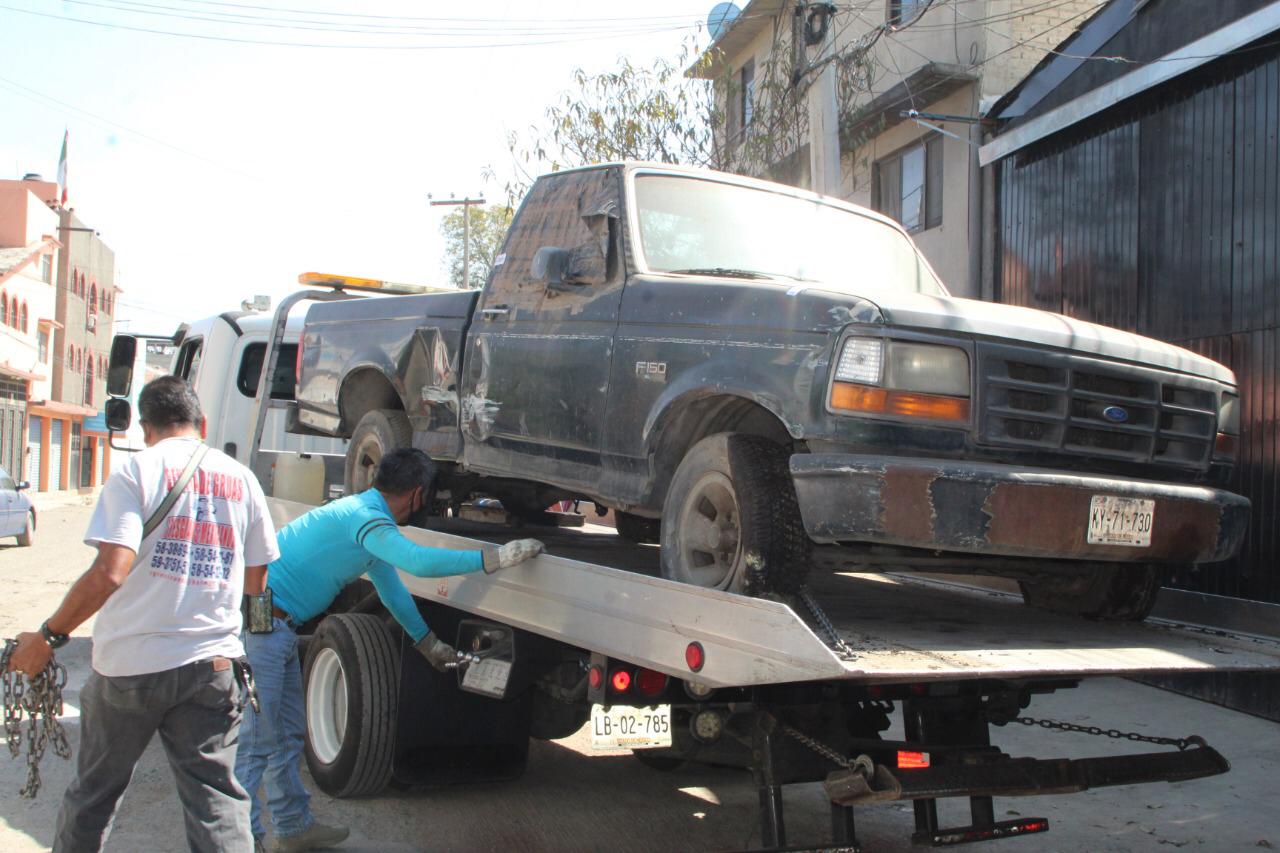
point(948, 60)
point(66, 441)
point(1144, 193)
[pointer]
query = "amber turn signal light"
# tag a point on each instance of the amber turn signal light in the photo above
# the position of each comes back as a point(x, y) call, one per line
point(850, 397)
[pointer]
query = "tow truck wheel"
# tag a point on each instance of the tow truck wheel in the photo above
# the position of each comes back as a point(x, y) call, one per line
point(377, 433)
point(731, 520)
point(352, 684)
point(1113, 593)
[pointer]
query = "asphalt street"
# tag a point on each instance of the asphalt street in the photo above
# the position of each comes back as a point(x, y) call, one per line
point(572, 799)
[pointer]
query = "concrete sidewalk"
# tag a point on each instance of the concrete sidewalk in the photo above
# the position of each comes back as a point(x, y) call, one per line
point(45, 501)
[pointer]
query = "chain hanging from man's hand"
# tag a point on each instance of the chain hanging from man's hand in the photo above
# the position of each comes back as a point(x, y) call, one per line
point(39, 699)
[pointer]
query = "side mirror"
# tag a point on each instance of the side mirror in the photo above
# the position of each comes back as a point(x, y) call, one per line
point(118, 412)
point(551, 265)
point(23, 484)
point(124, 349)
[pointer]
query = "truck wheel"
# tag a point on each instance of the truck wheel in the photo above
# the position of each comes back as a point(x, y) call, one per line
point(637, 528)
point(352, 683)
point(378, 432)
point(1113, 593)
point(731, 520)
point(28, 534)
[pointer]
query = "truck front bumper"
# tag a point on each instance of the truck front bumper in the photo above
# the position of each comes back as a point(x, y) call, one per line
point(980, 508)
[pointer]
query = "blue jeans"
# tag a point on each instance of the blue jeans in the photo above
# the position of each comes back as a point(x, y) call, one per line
point(271, 739)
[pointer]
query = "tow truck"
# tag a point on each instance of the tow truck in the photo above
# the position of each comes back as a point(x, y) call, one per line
point(794, 688)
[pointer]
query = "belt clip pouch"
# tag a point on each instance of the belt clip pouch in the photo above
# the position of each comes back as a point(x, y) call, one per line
point(260, 614)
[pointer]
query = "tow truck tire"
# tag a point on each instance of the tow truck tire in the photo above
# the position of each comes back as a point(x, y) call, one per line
point(1110, 593)
point(637, 528)
point(737, 490)
point(378, 432)
point(351, 682)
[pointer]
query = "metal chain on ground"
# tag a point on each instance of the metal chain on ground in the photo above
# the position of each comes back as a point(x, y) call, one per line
point(833, 638)
point(1181, 743)
point(40, 700)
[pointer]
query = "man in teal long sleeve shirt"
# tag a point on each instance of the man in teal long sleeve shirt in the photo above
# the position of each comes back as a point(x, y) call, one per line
point(320, 553)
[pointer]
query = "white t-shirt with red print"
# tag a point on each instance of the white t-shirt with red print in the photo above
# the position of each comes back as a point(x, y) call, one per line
point(181, 600)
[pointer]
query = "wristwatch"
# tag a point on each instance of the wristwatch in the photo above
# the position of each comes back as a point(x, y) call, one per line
point(55, 641)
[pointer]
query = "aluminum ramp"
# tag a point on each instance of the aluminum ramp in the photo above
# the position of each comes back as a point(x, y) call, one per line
point(899, 629)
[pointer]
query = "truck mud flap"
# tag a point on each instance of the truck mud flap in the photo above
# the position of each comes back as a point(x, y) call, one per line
point(1025, 777)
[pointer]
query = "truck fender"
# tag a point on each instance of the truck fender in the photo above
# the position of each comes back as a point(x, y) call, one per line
point(378, 396)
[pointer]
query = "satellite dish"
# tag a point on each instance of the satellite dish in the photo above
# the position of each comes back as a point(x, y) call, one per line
point(720, 17)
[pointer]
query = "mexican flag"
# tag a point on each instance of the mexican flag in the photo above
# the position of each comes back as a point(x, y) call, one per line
point(62, 169)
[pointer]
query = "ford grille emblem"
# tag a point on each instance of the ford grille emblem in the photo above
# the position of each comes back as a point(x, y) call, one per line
point(1115, 414)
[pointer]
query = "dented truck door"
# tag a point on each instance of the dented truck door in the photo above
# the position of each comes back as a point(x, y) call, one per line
point(540, 347)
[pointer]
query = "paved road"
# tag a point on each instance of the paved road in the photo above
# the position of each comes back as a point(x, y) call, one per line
point(573, 800)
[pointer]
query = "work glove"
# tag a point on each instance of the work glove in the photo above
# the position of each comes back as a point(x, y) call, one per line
point(437, 652)
point(512, 554)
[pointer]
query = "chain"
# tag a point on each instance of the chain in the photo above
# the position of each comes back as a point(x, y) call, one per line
point(843, 649)
point(1055, 725)
point(40, 700)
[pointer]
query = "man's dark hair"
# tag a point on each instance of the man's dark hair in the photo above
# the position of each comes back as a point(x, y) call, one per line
point(169, 401)
point(404, 469)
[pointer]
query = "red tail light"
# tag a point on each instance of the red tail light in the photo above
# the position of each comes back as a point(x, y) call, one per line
point(595, 677)
point(621, 681)
point(912, 760)
point(694, 656)
point(650, 683)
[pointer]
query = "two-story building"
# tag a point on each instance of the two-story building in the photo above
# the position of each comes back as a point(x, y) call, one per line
point(948, 61)
point(66, 446)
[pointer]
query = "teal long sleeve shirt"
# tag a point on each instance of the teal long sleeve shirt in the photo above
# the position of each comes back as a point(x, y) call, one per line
point(332, 545)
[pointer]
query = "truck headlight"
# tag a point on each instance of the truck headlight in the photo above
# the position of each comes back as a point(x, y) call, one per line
point(903, 379)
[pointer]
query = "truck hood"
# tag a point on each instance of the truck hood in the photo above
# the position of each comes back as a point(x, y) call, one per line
point(1009, 322)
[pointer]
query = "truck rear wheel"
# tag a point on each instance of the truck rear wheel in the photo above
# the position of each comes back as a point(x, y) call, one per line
point(351, 680)
point(378, 432)
point(1113, 593)
point(637, 528)
point(731, 520)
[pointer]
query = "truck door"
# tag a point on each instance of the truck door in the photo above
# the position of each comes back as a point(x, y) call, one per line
point(539, 353)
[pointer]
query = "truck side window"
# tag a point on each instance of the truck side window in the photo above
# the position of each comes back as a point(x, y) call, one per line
point(189, 359)
point(571, 211)
point(283, 383)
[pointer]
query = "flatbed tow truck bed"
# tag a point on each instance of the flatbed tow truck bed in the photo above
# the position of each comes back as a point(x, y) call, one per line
point(956, 659)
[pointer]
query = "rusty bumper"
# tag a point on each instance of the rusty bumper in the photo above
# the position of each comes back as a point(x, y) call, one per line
point(973, 507)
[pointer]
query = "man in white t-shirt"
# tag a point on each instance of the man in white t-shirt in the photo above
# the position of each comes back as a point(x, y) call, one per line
point(166, 643)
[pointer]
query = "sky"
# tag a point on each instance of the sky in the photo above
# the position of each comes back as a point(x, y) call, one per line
point(218, 169)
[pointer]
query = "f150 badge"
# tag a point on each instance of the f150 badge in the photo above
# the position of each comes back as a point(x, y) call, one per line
point(653, 371)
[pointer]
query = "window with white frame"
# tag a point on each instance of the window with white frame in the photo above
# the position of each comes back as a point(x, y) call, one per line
point(907, 185)
point(905, 11)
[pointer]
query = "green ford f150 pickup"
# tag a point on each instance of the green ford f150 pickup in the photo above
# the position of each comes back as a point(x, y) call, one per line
point(764, 380)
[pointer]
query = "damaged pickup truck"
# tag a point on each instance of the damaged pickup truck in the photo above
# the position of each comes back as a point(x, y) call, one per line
point(764, 380)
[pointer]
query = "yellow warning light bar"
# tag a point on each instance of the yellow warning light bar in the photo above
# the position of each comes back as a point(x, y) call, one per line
point(351, 282)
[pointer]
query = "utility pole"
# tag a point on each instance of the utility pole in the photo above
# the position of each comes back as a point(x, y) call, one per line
point(466, 229)
point(817, 19)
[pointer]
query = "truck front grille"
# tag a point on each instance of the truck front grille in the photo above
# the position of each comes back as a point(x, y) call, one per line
point(1090, 407)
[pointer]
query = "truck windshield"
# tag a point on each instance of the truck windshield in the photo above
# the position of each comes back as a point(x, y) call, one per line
point(696, 226)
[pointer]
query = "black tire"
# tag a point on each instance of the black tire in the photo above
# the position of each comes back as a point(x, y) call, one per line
point(379, 431)
point(738, 489)
point(28, 534)
point(637, 528)
point(1111, 593)
point(350, 749)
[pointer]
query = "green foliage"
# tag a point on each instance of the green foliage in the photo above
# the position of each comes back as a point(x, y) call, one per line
point(488, 229)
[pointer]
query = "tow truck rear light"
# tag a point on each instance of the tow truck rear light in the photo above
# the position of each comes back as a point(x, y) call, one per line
point(969, 834)
point(595, 677)
point(694, 656)
point(620, 680)
point(912, 760)
point(650, 683)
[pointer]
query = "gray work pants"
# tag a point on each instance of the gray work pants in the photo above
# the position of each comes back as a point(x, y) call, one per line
point(197, 709)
